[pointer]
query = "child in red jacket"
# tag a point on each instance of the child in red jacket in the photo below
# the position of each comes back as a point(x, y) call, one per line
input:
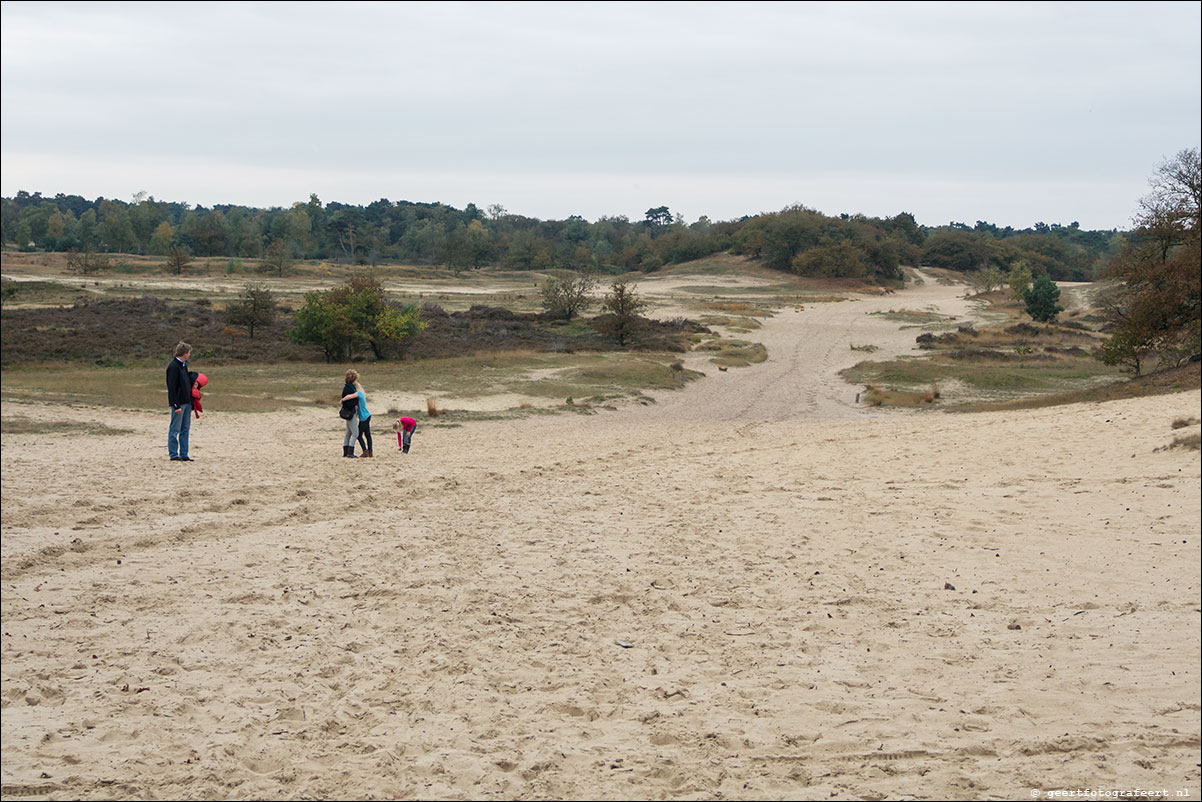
point(404, 428)
point(198, 380)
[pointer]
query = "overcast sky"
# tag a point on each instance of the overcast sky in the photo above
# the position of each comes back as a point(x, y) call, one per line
point(1006, 112)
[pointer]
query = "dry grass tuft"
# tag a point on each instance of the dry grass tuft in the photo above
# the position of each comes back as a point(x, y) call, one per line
point(733, 308)
point(875, 396)
point(1189, 442)
point(432, 409)
point(912, 316)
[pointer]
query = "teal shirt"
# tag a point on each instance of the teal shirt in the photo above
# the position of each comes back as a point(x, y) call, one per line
point(363, 413)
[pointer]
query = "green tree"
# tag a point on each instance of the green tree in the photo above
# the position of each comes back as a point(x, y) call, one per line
point(377, 322)
point(86, 231)
point(8, 291)
point(161, 239)
point(622, 306)
point(602, 250)
point(1019, 280)
point(256, 306)
point(836, 260)
point(38, 219)
point(324, 322)
point(352, 316)
point(145, 216)
point(56, 229)
point(298, 228)
point(956, 249)
point(1128, 347)
point(251, 245)
point(116, 230)
point(1041, 300)
point(207, 232)
point(476, 243)
point(24, 236)
point(657, 220)
point(564, 297)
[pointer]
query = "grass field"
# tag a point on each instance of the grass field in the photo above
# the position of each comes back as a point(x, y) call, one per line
point(1017, 364)
point(263, 388)
point(985, 380)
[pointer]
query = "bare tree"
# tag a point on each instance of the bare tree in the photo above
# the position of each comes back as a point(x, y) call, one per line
point(1175, 201)
point(276, 260)
point(255, 307)
point(178, 258)
point(1156, 305)
point(86, 261)
point(567, 296)
point(986, 280)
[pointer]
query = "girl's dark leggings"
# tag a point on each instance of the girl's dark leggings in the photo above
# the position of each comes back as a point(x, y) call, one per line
point(365, 431)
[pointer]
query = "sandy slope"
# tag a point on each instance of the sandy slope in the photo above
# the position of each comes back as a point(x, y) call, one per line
point(753, 589)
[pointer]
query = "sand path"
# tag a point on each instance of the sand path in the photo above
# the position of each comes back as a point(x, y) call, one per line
point(807, 348)
point(751, 589)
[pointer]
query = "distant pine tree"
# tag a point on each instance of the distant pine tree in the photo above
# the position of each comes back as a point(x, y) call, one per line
point(1041, 300)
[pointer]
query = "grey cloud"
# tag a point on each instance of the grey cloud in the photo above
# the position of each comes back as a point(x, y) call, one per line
point(976, 92)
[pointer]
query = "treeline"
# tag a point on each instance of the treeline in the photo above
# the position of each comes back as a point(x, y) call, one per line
point(794, 239)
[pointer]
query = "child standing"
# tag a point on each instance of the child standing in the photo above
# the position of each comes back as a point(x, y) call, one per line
point(404, 428)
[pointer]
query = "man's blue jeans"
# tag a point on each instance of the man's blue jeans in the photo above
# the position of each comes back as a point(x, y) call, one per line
point(177, 434)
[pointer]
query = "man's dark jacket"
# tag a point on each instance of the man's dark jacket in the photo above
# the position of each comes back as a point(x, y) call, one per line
point(179, 389)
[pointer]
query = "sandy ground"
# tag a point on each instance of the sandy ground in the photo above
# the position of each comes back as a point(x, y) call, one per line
point(753, 589)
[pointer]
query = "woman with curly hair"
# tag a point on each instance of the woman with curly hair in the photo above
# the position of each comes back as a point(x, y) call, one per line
point(350, 412)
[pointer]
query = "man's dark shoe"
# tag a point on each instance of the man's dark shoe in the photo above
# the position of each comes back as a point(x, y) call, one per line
point(185, 459)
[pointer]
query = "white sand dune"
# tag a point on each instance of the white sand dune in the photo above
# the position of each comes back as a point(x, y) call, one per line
point(753, 589)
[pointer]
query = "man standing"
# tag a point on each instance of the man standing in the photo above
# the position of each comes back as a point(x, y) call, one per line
point(179, 396)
